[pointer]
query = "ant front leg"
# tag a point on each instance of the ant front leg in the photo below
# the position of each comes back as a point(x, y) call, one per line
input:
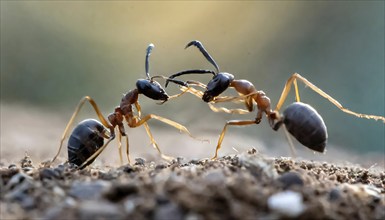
point(138, 122)
point(293, 80)
point(247, 94)
point(192, 91)
point(78, 108)
point(247, 99)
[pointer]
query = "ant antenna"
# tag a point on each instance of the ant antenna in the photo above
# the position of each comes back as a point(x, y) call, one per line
point(148, 53)
point(178, 82)
point(199, 45)
point(188, 72)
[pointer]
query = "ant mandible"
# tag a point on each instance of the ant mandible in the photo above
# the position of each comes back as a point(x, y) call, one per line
point(86, 140)
point(301, 120)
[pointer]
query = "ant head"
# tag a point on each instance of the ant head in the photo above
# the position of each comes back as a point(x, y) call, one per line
point(218, 84)
point(149, 87)
point(221, 80)
point(152, 89)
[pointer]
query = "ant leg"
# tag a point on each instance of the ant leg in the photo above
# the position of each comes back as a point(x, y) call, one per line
point(127, 149)
point(120, 148)
point(196, 83)
point(147, 127)
point(288, 137)
point(70, 122)
point(226, 110)
point(297, 98)
point(177, 95)
point(199, 94)
point(154, 144)
point(247, 99)
point(193, 91)
point(164, 120)
point(138, 109)
point(233, 122)
point(96, 154)
point(234, 99)
point(323, 94)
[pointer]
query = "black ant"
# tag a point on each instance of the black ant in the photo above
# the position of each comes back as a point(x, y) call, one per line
point(86, 140)
point(300, 119)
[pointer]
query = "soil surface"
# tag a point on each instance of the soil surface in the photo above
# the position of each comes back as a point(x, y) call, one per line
point(244, 186)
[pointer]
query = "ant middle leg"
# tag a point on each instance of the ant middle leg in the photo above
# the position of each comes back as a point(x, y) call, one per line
point(293, 80)
point(232, 123)
point(147, 127)
point(154, 144)
point(120, 148)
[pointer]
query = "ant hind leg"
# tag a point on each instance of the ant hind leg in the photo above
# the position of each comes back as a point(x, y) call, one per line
point(296, 76)
point(70, 122)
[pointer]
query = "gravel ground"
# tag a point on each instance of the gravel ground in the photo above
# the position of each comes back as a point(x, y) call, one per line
point(244, 186)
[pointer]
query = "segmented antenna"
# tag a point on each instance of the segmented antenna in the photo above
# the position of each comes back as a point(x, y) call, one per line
point(188, 72)
point(199, 45)
point(147, 65)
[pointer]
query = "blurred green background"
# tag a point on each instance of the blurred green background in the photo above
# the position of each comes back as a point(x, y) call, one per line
point(53, 53)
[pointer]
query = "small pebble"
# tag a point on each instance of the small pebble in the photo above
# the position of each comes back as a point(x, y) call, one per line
point(89, 190)
point(99, 209)
point(140, 161)
point(48, 173)
point(290, 179)
point(167, 211)
point(334, 194)
point(287, 203)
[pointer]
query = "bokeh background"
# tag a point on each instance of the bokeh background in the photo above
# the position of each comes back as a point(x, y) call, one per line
point(54, 53)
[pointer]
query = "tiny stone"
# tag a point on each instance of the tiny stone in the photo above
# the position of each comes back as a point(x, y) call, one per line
point(88, 190)
point(160, 166)
point(289, 179)
point(128, 169)
point(287, 203)
point(168, 210)
point(140, 161)
point(48, 173)
point(99, 210)
point(334, 194)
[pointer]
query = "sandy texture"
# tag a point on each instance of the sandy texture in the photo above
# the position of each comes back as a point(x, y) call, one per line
point(244, 186)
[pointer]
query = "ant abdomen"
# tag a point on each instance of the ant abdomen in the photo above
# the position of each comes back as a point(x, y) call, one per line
point(85, 140)
point(306, 125)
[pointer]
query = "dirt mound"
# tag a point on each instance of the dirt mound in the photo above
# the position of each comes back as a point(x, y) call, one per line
point(244, 186)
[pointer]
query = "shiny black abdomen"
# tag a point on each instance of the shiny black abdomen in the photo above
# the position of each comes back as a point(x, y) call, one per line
point(84, 141)
point(306, 125)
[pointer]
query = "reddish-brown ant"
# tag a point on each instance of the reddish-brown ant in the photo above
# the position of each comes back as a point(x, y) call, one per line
point(300, 119)
point(86, 141)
